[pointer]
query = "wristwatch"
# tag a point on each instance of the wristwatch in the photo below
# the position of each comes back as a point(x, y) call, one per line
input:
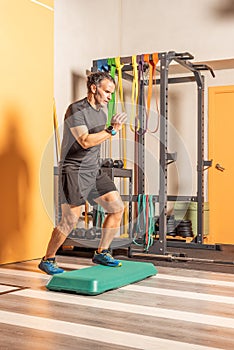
point(111, 130)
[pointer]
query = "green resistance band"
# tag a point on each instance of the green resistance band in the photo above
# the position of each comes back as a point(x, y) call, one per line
point(141, 220)
point(111, 104)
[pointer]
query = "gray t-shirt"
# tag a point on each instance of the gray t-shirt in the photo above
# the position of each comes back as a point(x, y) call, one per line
point(73, 156)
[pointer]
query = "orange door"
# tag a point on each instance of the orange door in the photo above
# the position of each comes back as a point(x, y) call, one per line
point(221, 174)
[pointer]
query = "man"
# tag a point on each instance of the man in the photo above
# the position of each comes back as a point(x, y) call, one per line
point(80, 176)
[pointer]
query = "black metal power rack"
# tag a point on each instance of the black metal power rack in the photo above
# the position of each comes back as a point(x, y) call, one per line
point(183, 59)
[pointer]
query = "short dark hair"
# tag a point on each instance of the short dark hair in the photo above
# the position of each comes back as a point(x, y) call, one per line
point(97, 77)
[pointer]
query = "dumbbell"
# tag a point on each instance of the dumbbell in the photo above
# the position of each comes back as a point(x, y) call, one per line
point(110, 163)
point(118, 163)
point(78, 233)
point(90, 213)
point(107, 163)
point(90, 233)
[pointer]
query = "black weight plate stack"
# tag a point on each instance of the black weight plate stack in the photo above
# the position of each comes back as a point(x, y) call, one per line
point(171, 226)
point(184, 229)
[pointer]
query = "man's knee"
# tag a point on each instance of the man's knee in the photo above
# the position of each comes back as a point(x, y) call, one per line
point(112, 203)
point(117, 211)
point(119, 214)
point(120, 208)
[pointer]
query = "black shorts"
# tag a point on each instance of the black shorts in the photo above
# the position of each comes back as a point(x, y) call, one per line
point(75, 188)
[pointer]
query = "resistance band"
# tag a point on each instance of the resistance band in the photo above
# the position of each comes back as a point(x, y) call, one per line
point(102, 66)
point(135, 125)
point(141, 95)
point(151, 223)
point(105, 65)
point(152, 75)
point(123, 149)
point(145, 220)
point(56, 133)
point(134, 109)
point(99, 216)
point(119, 66)
point(111, 104)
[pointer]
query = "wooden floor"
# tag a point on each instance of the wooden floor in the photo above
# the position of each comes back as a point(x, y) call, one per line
point(176, 309)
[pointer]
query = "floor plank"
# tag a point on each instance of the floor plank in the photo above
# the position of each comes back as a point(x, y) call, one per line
point(176, 309)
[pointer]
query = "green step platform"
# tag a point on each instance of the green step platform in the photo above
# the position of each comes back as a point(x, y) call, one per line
point(99, 279)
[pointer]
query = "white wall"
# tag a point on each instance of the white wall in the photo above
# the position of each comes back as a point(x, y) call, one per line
point(199, 27)
point(83, 31)
point(87, 29)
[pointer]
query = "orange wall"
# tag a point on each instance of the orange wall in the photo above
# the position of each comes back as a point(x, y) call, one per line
point(26, 126)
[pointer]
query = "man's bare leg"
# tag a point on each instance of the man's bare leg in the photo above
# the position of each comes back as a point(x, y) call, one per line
point(56, 240)
point(70, 216)
point(109, 229)
point(112, 203)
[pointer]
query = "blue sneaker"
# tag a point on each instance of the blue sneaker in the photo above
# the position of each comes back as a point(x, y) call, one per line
point(50, 266)
point(104, 258)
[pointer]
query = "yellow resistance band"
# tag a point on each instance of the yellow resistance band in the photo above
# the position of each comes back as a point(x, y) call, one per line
point(112, 102)
point(119, 67)
point(123, 154)
point(56, 132)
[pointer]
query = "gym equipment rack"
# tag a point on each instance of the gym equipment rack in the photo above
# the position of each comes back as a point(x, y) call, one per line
point(165, 58)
